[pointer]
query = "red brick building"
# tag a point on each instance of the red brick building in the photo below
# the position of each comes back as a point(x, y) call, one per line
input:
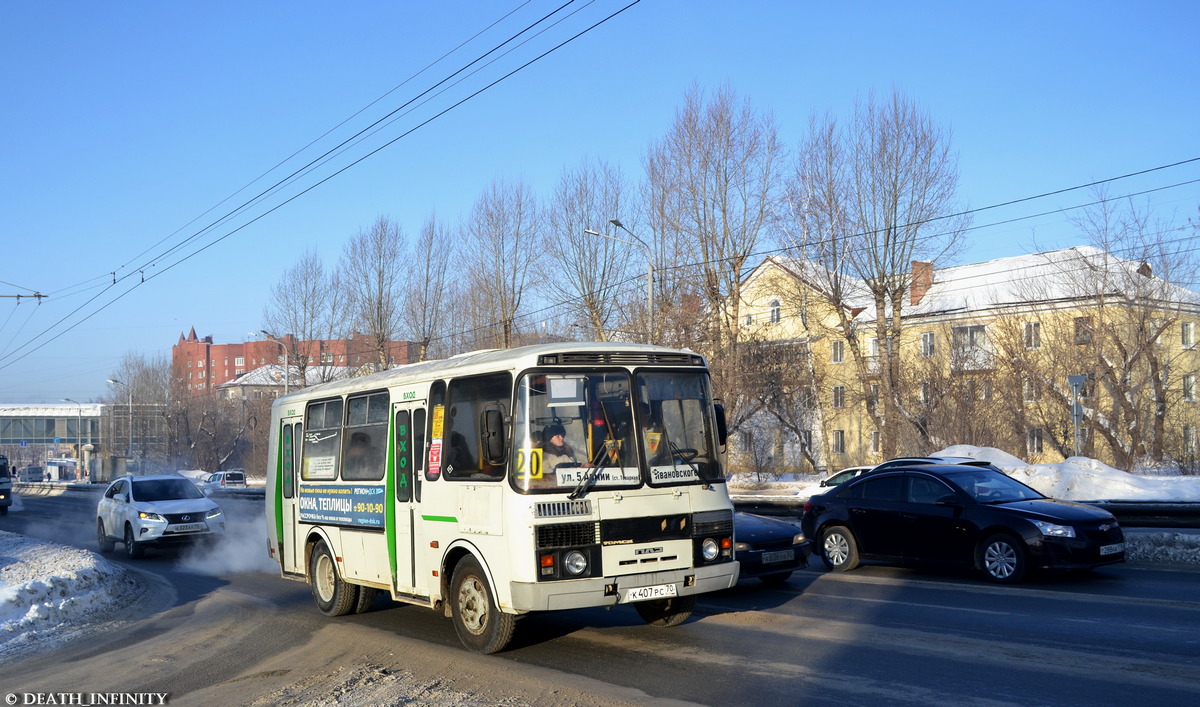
point(198, 365)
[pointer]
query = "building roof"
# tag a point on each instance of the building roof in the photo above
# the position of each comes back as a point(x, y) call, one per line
point(1054, 276)
point(272, 375)
point(51, 409)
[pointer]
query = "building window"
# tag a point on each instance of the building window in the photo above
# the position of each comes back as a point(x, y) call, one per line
point(776, 314)
point(326, 358)
point(806, 438)
point(876, 447)
point(238, 371)
point(1033, 393)
point(1189, 387)
point(925, 394)
point(1189, 441)
point(1083, 330)
point(838, 351)
point(239, 361)
point(969, 347)
point(928, 345)
point(1187, 334)
point(839, 396)
point(1033, 335)
point(1033, 441)
point(839, 442)
point(749, 320)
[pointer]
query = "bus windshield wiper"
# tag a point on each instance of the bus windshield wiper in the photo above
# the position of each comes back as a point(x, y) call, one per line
point(588, 476)
point(677, 452)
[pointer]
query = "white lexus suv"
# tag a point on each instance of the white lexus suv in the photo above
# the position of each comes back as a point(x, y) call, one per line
point(143, 511)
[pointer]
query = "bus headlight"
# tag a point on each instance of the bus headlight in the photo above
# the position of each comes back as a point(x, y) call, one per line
point(575, 563)
point(709, 549)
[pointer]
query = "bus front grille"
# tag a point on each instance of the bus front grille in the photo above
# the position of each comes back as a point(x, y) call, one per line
point(566, 535)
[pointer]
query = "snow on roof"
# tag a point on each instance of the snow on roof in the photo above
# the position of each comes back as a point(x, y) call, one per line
point(1057, 275)
point(272, 375)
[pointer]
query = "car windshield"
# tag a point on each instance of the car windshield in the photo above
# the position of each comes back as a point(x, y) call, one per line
point(575, 431)
point(990, 486)
point(164, 489)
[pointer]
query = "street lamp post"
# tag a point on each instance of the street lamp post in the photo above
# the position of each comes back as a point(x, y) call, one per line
point(78, 430)
point(649, 269)
point(128, 389)
point(287, 359)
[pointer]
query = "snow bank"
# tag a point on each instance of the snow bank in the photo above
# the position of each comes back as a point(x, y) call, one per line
point(47, 589)
point(1084, 479)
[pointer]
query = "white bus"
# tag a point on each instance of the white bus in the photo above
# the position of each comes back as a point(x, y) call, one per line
point(497, 483)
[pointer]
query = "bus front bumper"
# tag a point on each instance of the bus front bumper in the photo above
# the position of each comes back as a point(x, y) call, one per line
point(607, 591)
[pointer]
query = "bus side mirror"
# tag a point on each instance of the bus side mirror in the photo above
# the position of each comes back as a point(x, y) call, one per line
point(722, 430)
point(494, 440)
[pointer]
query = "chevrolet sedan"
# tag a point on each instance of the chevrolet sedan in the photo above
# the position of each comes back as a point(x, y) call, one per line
point(963, 516)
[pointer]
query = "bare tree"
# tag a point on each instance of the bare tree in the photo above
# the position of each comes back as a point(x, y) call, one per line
point(591, 273)
point(371, 273)
point(428, 287)
point(308, 303)
point(712, 188)
point(140, 404)
point(501, 253)
point(867, 200)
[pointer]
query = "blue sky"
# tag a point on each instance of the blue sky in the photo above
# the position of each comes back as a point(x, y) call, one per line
point(124, 123)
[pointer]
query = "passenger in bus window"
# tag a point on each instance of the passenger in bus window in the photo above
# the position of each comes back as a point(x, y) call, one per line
point(555, 449)
point(358, 457)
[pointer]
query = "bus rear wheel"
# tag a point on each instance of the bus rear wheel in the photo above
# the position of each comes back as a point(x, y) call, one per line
point(479, 623)
point(334, 597)
point(666, 612)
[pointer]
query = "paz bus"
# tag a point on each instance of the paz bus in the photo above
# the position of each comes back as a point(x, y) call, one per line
point(502, 482)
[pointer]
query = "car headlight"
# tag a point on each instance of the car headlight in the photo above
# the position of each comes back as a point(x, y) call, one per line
point(1051, 530)
point(709, 549)
point(798, 538)
point(147, 515)
point(212, 514)
point(575, 562)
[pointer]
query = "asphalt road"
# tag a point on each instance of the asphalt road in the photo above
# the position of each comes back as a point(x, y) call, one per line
point(1119, 635)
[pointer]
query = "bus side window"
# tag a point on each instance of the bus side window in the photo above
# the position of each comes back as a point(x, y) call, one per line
point(463, 455)
point(419, 451)
point(437, 404)
point(322, 442)
point(289, 461)
point(404, 456)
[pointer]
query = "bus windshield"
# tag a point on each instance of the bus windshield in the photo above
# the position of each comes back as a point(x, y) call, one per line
point(576, 431)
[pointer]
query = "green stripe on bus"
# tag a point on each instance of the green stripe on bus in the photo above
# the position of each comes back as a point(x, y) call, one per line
point(441, 519)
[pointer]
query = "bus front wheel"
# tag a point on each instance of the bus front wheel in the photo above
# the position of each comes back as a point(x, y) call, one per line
point(480, 625)
point(334, 597)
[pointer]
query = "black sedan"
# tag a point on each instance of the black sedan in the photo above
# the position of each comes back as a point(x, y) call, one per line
point(767, 548)
point(958, 516)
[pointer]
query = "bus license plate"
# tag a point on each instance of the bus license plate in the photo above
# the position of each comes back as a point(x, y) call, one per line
point(769, 558)
point(658, 591)
point(1112, 549)
point(187, 527)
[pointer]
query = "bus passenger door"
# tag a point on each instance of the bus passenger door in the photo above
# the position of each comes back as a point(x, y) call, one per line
point(287, 511)
point(409, 418)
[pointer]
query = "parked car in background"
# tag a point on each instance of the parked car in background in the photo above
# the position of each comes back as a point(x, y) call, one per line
point(6, 491)
point(768, 548)
point(31, 474)
point(231, 479)
point(917, 461)
point(958, 515)
point(845, 475)
point(145, 511)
